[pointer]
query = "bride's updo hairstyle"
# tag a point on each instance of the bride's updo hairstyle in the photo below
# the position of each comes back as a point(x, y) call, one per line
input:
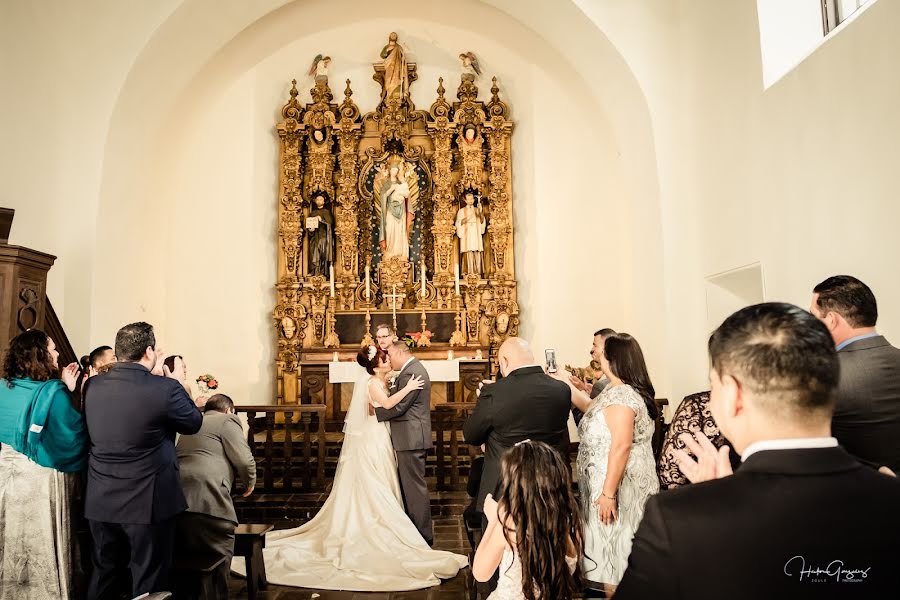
point(369, 358)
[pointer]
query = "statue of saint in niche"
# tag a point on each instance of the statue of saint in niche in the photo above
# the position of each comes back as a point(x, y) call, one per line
point(396, 78)
point(470, 227)
point(396, 206)
point(320, 224)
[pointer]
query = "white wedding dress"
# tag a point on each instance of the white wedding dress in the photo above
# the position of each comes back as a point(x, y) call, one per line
point(361, 539)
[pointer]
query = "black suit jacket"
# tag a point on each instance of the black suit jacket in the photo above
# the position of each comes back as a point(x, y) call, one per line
point(749, 535)
point(526, 404)
point(132, 417)
point(866, 417)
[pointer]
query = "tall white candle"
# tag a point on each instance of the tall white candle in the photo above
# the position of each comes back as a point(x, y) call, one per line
point(456, 276)
point(331, 274)
point(368, 283)
point(422, 277)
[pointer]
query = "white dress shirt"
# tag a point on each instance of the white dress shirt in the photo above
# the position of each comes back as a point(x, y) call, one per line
point(788, 444)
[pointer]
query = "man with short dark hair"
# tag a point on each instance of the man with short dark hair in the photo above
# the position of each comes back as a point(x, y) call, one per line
point(801, 518)
point(866, 417)
point(133, 489)
point(100, 357)
point(384, 336)
point(209, 462)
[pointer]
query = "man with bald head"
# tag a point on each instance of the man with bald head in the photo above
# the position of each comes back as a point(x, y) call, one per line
point(526, 404)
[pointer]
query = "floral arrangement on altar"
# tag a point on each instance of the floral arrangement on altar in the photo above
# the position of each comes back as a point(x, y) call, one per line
point(207, 382)
point(417, 339)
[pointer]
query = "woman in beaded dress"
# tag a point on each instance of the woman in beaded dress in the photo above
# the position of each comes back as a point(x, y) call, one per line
point(615, 466)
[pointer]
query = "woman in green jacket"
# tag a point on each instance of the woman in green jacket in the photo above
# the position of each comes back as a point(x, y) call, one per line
point(42, 447)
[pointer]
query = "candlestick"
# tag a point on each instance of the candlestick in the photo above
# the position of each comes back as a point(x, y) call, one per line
point(331, 275)
point(422, 277)
point(368, 283)
point(456, 277)
point(367, 338)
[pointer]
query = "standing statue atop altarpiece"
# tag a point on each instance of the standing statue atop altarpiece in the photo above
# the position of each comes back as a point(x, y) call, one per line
point(320, 224)
point(470, 227)
point(396, 78)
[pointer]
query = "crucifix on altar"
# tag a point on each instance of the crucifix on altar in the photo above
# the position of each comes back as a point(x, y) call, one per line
point(392, 298)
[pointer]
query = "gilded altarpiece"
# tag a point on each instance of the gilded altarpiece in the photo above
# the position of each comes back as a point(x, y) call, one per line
point(398, 215)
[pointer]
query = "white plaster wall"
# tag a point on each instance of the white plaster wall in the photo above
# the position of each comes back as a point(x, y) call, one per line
point(212, 202)
point(62, 65)
point(799, 177)
point(148, 157)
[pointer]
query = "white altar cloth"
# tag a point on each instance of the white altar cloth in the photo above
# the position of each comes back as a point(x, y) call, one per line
point(351, 372)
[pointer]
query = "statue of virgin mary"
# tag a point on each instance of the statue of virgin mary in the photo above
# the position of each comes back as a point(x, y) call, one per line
point(393, 235)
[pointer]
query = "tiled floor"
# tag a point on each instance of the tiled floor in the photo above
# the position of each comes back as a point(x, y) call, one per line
point(449, 534)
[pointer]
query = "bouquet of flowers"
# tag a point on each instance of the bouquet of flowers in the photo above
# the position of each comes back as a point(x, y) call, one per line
point(417, 339)
point(206, 383)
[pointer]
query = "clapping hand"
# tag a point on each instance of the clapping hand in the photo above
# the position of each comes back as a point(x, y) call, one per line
point(158, 367)
point(178, 373)
point(69, 376)
point(580, 384)
point(711, 463)
point(415, 383)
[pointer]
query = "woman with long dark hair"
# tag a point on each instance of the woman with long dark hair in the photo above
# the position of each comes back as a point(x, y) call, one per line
point(616, 468)
point(43, 446)
point(534, 532)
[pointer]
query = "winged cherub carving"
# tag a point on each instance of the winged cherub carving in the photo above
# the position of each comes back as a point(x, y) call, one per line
point(470, 64)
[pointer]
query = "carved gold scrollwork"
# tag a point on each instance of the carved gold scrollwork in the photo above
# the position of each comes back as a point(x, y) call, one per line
point(318, 290)
point(472, 298)
point(337, 151)
point(290, 320)
point(393, 273)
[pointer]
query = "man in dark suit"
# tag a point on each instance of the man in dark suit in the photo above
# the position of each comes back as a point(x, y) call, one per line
point(410, 421)
point(525, 404)
point(866, 417)
point(801, 518)
point(133, 488)
point(208, 462)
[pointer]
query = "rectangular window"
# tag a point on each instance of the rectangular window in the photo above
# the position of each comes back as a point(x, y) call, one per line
point(835, 12)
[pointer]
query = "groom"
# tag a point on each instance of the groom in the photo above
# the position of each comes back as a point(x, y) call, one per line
point(411, 435)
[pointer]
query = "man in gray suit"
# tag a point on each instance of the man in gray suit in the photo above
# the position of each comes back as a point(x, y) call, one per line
point(410, 423)
point(866, 417)
point(208, 462)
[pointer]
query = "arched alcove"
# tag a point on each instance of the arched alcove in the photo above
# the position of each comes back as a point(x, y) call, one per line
point(203, 256)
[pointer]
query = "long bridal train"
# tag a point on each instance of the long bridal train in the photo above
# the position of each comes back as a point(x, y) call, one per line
point(361, 539)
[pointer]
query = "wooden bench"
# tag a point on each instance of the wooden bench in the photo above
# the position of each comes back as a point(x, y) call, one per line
point(249, 541)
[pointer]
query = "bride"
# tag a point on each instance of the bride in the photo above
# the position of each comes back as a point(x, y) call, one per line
point(361, 539)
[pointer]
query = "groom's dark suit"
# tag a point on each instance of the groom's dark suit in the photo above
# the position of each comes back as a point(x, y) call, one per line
point(410, 423)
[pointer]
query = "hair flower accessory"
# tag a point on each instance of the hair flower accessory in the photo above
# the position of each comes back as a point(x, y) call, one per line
point(372, 352)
